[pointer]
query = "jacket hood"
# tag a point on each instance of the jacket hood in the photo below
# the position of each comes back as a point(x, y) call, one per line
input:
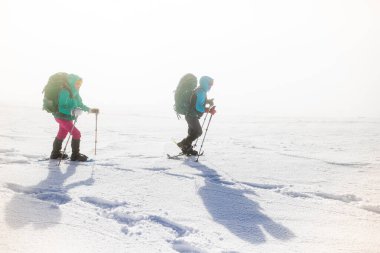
point(71, 80)
point(205, 83)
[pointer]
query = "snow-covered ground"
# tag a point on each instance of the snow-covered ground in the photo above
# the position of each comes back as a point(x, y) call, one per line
point(266, 185)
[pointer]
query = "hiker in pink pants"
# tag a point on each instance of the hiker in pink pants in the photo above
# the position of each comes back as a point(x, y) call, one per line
point(69, 101)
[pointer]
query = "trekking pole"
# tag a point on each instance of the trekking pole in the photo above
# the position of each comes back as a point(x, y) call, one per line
point(204, 137)
point(96, 131)
point(196, 141)
point(64, 150)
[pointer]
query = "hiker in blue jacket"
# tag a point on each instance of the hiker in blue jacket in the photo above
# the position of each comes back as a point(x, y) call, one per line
point(198, 107)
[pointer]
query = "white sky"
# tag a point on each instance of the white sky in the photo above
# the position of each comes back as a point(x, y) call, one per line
point(275, 58)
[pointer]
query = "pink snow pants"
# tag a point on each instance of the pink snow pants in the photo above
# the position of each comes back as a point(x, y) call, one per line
point(65, 127)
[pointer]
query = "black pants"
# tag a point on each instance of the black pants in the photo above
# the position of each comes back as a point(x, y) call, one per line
point(194, 131)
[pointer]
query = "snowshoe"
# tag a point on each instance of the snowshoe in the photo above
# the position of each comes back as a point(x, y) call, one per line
point(175, 157)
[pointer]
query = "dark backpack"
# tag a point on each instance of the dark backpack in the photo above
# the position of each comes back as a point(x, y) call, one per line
point(56, 83)
point(183, 93)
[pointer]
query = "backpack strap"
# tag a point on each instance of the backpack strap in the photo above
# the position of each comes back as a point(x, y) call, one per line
point(193, 99)
point(65, 86)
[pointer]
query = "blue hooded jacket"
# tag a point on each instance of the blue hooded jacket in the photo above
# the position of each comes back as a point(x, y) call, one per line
point(205, 83)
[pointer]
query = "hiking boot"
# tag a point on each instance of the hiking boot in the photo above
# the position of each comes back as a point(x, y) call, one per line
point(75, 155)
point(184, 145)
point(57, 153)
point(78, 157)
point(191, 152)
point(60, 155)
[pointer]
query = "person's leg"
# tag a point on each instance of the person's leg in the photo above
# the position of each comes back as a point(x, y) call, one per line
point(57, 144)
point(75, 147)
point(65, 126)
point(194, 131)
point(75, 142)
point(56, 152)
point(62, 133)
point(75, 155)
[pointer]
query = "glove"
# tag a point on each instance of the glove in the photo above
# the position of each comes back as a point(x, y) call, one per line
point(211, 110)
point(94, 110)
point(76, 112)
point(210, 102)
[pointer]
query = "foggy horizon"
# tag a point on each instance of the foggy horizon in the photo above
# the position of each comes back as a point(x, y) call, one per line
point(272, 58)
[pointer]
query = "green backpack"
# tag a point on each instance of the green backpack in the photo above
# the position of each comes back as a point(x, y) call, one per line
point(182, 94)
point(56, 83)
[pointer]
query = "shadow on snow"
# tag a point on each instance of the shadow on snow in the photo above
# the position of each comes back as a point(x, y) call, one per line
point(231, 208)
point(39, 204)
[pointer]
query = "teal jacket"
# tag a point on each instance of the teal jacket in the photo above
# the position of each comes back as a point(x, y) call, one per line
point(199, 98)
point(66, 103)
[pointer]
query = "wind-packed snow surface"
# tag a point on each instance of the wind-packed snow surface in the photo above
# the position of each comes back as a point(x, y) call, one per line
point(266, 185)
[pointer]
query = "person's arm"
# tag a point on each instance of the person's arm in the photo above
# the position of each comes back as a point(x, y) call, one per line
point(82, 106)
point(86, 108)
